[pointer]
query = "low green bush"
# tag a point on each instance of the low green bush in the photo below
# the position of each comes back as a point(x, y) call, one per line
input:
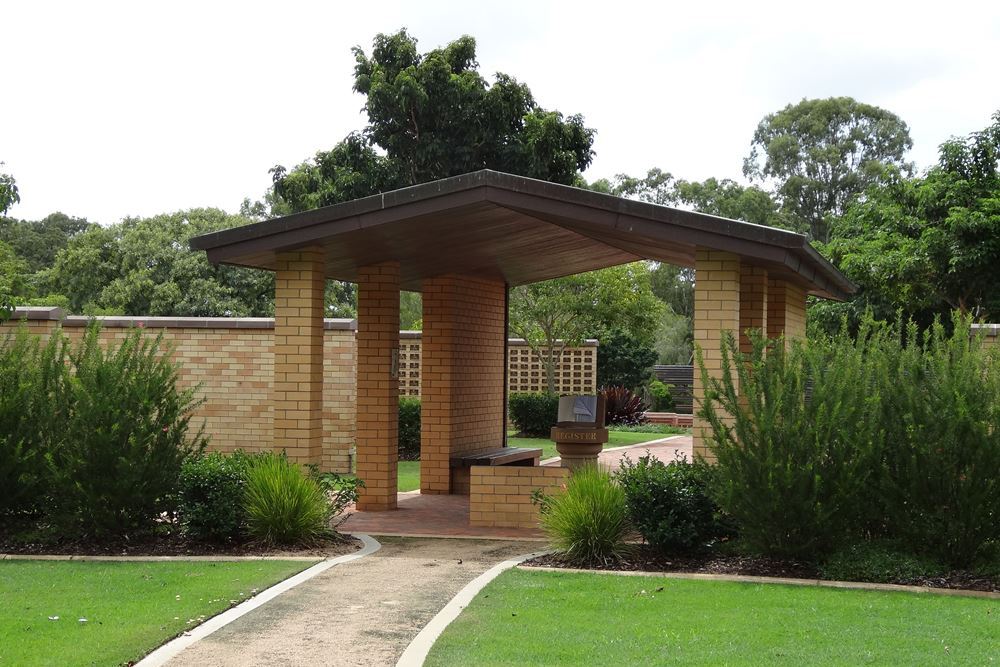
point(665, 429)
point(533, 414)
point(283, 505)
point(409, 428)
point(588, 523)
point(116, 468)
point(879, 563)
point(210, 496)
point(659, 393)
point(669, 503)
point(341, 490)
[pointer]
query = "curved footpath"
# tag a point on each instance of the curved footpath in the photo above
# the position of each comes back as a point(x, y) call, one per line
point(364, 612)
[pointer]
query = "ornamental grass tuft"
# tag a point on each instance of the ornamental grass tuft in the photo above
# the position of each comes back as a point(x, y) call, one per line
point(283, 505)
point(588, 524)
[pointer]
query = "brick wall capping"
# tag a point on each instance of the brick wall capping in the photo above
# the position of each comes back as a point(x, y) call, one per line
point(126, 321)
point(518, 230)
point(588, 342)
point(988, 330)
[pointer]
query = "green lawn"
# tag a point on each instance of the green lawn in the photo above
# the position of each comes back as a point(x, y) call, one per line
point(131, 608)
point(409, 471)
point(543, 618)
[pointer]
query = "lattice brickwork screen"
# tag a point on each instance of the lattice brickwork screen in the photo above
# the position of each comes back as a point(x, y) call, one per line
point(575, 374)
point(409, 367)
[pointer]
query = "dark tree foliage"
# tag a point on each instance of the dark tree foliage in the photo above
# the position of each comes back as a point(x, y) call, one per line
point(820, 154)
point(38, 242)
point(624, 360)
point(926, 245)
point(431, 116)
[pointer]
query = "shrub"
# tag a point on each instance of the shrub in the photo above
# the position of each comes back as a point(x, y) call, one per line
point(665, 429)
point(879, 563)
point(341, 490)
point(659, 394)
point(669, 504)
point(588, 524)
point(622, 407)
point(34, 382)
point(409, 428)
point(283, 505)
point(623, 359)
point(941, 412)
point(115, 468)
point(210, 496)
point(534, 414)
point(795, 469)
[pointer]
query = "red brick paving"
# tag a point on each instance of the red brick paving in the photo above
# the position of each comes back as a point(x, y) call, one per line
point(448, 515)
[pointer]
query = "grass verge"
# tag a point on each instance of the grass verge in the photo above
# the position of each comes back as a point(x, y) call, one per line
point(543, 618)
point(408, 476)
point(130, 607)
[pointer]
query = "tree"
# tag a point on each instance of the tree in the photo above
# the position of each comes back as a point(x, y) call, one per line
point(821, 153)
point(432, 116)
point(8, 192)
point(38, 242)
point(13, 270)
point(143, 266)
point(560, 313)
point(930, 244)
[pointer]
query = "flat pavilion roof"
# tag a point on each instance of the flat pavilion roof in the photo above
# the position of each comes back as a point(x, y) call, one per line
point(515, 229)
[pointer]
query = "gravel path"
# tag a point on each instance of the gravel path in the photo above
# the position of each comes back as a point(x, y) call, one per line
point(360, 613)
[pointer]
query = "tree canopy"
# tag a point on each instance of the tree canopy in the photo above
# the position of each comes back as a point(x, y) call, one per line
point(431, 116)
point(820, 153)
point(932, 243)
point(8, 192)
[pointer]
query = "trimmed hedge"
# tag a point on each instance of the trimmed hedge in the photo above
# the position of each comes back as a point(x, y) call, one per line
point(533, 413)
point(409, 428)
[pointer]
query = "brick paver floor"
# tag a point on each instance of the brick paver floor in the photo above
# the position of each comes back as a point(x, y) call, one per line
point(448, 516)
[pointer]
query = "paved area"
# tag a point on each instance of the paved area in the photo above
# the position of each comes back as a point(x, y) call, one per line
point(360, 613)
point(448, 516)
point(430, 515)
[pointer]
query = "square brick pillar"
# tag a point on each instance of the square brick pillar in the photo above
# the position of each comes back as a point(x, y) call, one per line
point(786, 310)
point(462, 375)
point(378, 385)
point(716, 309)
point(298, 354)
point(753, 303)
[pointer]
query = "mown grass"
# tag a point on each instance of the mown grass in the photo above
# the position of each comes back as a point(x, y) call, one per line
point(409, 471)
point(130, 607)
point(543, 618)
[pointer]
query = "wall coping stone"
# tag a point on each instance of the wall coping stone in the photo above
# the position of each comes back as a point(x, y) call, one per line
point(990, 330)
point(119, 321)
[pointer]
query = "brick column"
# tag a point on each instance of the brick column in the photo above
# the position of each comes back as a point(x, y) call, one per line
point(753, 303)
point(462, 373)
point(378, 385)
point(786, 310)
point(298, 354)
point(716, 309)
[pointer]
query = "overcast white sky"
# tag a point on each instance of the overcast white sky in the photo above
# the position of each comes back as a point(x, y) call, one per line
point(134, 108)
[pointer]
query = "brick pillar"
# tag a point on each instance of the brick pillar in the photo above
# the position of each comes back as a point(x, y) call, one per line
point(786, 310)
point(716, 309)
point(753, 303)
point(462, 373)
point(378, 385)
point(298, 354)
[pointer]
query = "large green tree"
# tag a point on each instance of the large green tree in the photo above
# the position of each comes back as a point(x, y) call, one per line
point(616, 303)
point(38, 242)
point(143, 266)
point(8, 192)
point(821, 153)
point(431, 116)
point(930, 244)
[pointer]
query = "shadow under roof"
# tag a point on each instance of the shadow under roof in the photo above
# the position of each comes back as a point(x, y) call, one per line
point(519, 230)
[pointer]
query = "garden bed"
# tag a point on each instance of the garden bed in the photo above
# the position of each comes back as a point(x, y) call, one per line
point(645, 559)
point(175, 544)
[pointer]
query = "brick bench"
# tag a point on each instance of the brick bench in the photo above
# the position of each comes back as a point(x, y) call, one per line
point(504, 456)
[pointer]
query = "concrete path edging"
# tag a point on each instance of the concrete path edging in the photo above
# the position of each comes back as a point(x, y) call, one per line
point(164, 653)
point(416, 652)
point(658, 441)
point(784, 581)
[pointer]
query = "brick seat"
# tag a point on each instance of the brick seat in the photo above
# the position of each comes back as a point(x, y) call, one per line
point(504, 456)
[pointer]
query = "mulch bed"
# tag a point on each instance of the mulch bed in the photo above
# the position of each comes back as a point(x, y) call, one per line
point(174, 544)
point(645, 559)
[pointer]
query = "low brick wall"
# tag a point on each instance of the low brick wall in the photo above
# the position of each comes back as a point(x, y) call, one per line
point(990, 332)
point(500, 496)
